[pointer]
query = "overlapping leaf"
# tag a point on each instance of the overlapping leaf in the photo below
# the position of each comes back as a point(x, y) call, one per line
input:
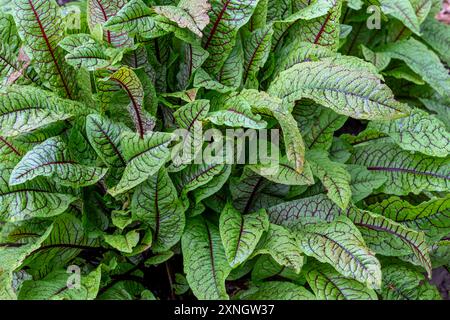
point(240, 233)
point(347, 88)
point(205, 263)
point(50, 159)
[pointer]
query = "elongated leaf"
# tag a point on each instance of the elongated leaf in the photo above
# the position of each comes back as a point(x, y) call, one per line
point(422, 61)
point(405, 172)
point(436, 34)
point(293, 140)
point(363, 182)
point(256, 52)
point(282, 246)
point(38, 198)
point(130, 82)
point(205, 263)
point(276, 290)
point(100, 11)
point(226, 18)
point(24, 108)
point(192, 15)
point(240, 233)
point(41, 27)
point(203, 80)
point(247, 190)
point(65, 241)
point(196, 175)
point(402, 10)
point(317, 124)
point(57, 286)
point(135, 17)
point(236, 112)
point(11, 258)
point(402, 283)
point(301, 213)
point(323, 30)
point(417, 132)
point(328, 284)
point(189, 118)
point(340, 244)
point(88, 56)
point(230, 74)
point(347, 88)
point(49, 159)
point(193, 58)
point(124, 243)
point(104, 136)
point(284, 173)
point(333, 175)
point(432, 216)
point(156, 202)
point(144, 157)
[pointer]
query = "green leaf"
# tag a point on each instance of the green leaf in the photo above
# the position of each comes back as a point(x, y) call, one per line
point(189, 118)
point(431, 217)
point(324, 30)
point(250, 189)
point(193, 57)
point(363, 182)
point(402, 10)
point(205, 263)
point(98, 12)
point(104, 137)
point(381, 234)
point(66, 240)
point(422, 61)
point(328, 284)
point(129, 81)
point(418, 132)
point(57, 286)
point(230, 74)
point(402, 283)
point(340, 244)
point(226, 18)
point(135, 18)
point(345, 86)
point(240, 233)
point(436, 34)
point(50, 159)
point(333, 175)
point(144, 157)
point(282, 246)
point(293, 140)
point(192, 15)
point(379, 59)
point(90, 56)
point(156, 202)
point(297, 52)
point(317, 124)
point(256, 52)
point(405, 172)
point(196, 175)
point(24, 109)
point(39, 198)
point(41, 27)
point(235, 111)
point(276, 290)
point(284, 173)
point(11, 258)
point(124, 243)
point(203, 80)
